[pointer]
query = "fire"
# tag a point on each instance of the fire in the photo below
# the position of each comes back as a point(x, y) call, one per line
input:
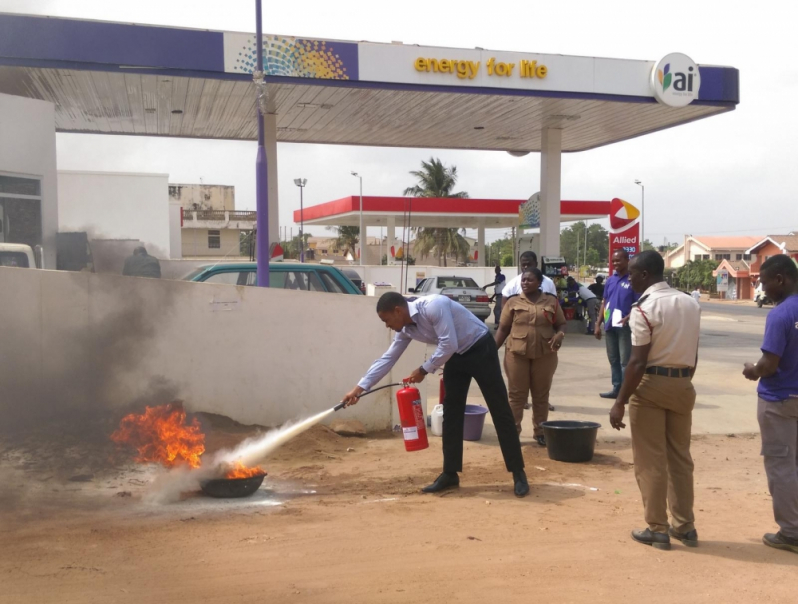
point(161, 434)
point(239, 470)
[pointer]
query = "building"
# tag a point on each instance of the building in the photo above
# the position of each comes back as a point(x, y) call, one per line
point(210, 225)
point(710, 248)
point(740, 286)
point(772, 245)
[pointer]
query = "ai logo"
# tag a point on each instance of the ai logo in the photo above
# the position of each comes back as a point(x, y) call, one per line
point(675, 80)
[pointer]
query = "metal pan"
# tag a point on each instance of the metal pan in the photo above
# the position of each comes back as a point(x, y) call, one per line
point(232, 487)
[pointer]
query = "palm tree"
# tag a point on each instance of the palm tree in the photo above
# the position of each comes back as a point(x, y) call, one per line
point(436, 180)
point(347, 238)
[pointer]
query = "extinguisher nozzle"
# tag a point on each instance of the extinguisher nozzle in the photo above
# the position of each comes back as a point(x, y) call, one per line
point(339, 406)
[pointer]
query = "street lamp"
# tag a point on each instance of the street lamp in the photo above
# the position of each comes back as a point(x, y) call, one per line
point(301, 182)
point(642, 213)
point(362, 230)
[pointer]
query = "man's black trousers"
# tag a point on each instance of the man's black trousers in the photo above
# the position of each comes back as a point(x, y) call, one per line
point(480, 362)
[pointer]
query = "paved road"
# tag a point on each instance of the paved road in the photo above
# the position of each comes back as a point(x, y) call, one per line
point(736, 310)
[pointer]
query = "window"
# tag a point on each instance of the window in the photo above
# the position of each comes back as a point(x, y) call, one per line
point(20, 210)
point(746, 256)
point(228, 277)
point(739, 256)
point(705, 257)
point(331, 284)
point(214, 240)
point(722, 256)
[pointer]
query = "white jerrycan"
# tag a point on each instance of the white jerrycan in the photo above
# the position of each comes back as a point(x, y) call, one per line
point(436, 427)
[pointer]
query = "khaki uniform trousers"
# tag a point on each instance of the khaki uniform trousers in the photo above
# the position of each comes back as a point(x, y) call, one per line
point(525, 376)
point(661, 417)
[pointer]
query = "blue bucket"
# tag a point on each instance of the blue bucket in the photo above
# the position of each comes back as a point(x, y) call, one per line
point(474, 422)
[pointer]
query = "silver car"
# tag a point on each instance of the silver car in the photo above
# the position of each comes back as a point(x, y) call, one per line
point(460, 289)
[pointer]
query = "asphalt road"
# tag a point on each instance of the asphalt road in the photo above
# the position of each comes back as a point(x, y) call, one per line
point(735, 310)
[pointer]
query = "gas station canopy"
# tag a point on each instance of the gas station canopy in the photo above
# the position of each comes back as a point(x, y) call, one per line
point(120, 78)
point(436, 212)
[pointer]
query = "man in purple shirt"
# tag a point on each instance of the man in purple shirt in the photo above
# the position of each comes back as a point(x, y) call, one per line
point(777, 411)
point(614, 314)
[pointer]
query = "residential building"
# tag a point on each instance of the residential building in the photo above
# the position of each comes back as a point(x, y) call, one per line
point(210, 225)
point(733, 249)
point(771, 246)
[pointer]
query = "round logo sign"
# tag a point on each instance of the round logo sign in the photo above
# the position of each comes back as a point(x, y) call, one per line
point(675, 80)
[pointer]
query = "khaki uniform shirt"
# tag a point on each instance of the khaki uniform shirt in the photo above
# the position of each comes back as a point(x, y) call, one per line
point(532, 325)
point(669, 320)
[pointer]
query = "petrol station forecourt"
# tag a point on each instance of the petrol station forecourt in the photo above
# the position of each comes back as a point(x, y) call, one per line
point(350, 523)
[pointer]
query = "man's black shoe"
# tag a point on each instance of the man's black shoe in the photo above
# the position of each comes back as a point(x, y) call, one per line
point(613, 394)
point(779, 541)
point(541, 440)
point(658, 540)
point(447, 480)
point(690, 538)
point(521, 484)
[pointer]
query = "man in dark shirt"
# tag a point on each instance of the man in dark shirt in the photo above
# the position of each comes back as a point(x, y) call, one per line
point(141, 264)
point(598, 288)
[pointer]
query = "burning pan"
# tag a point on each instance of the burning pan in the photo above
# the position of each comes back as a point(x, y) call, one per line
point(232, 487)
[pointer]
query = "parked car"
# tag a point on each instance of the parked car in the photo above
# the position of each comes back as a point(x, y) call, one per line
point(20, 255)
point(282, 275)
point(355, 278)
point(460, 289)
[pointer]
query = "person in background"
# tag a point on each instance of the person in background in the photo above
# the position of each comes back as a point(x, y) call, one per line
point(696, 293)
point(777, 409)
point(598, 288)
point(465, 350)
point(513, 287)
point(497, 285)
point(614, 314)
point(535, 324)
point(141, 264)
point(658, 382)
point(590, 301)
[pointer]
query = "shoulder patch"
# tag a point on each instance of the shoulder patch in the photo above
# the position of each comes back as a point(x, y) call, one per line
point(641, 300)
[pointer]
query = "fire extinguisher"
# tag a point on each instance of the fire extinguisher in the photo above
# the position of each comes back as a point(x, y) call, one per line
point(413, 419)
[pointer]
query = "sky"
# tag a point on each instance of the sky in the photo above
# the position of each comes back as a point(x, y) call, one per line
point(727, 175)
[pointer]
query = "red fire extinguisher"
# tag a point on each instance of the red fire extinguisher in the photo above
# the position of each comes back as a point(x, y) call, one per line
point(413, 419)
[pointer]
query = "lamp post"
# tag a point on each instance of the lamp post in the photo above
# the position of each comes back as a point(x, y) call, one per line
point(362, 230)
point(301, 182)
point(642, 213)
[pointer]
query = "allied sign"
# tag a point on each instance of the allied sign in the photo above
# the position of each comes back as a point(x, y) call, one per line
point(675, 80)
point(624, 227)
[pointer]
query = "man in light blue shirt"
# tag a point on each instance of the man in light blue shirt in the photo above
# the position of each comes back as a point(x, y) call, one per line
point(465, 350)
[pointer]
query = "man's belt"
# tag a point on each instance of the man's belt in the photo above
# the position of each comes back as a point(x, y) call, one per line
point(680, 372)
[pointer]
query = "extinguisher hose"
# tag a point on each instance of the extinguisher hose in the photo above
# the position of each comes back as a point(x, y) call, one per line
point(342, 404)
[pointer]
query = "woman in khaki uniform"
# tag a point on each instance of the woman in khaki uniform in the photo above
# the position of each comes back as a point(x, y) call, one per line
point(535, 325)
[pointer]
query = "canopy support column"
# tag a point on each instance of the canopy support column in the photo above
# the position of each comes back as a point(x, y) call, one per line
point(550, 191)
point(481, 246)
point(391, 238)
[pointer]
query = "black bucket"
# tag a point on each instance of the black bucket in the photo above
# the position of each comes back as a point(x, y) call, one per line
point(570, 441)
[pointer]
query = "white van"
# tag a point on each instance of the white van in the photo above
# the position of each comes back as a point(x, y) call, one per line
point(20, 256)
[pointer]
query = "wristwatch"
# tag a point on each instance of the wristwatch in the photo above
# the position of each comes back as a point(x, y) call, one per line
point(422, 370)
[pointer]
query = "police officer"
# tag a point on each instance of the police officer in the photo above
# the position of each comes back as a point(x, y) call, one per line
point(535, 325)
point(658, 382)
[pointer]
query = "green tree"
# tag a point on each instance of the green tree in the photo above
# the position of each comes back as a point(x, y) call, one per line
point(497, 250)
point(572, 239)
point(347, 238)
point(437, 180)
point(696, 273)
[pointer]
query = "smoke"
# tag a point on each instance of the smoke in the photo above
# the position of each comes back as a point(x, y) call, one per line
point(168, 487)
point(60, 369)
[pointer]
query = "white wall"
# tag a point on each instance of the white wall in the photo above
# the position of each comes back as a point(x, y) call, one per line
point(111, 205)
point(256, 355)
point(175, 235)
point(27, 149)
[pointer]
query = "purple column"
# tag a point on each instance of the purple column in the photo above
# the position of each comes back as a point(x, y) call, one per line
point(261, 174)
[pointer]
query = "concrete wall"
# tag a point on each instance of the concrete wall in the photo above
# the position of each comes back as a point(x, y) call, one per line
point(195, 243)
point(256, 355)
point(203, 197)
point(110, 205)
point(392, 274)
point(27, 149)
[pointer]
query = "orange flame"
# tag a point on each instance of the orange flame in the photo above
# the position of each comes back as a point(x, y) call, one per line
point(161, 434)
point(239, 470)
